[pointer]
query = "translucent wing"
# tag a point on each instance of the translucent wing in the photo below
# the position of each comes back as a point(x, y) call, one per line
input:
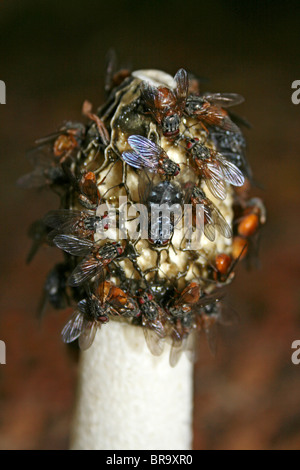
point(240, 161)
point(231, 172)
point(214, 167)
point(209, 299)
point(239, 120)
point(73, 245)
point(73, 328)
point(40, 157)
point(209, 232)
point(88, 334)
point(85, 270)
point(224, 100)
point(145, 186)
point(190, 347)
point(154, 342)
point(144, 146)
point(216, 186)
point(209, 224)
point(228, 125)
point(176, 351)
point(150, 95)
point(181, 78)
point(215, 116)
point(57, 217)
point(136, 160)
point(227, 315)
point(64, 217)
point(220, 223)
point(35, 179)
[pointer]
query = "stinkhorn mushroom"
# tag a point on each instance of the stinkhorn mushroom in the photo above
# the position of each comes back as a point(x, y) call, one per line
point(154, 216)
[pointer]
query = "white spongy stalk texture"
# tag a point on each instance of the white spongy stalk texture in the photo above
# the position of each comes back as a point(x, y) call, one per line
point(129, 399)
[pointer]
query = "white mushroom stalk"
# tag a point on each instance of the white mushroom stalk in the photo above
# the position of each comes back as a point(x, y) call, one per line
point(129, 399)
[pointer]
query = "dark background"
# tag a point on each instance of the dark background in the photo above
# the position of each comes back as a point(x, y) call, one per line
point(51, 59)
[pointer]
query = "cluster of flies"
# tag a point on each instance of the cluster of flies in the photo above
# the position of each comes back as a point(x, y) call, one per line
point(164, 312)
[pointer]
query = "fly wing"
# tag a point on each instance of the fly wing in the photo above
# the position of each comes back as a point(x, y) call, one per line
point(216, 186)
point(227, 315)
point(190, 348)
point(181, 91)
point(73, 328)
point(209, 231)
point(88, 335)
point(40, 157)
point(209, 299)
point(73, 245)
point(57, 218)
point(188, 189)
point(214, 167)
point(150, 95)
point(208, 221)
point(154, 342)
point(84, 271)
point(220, 223)
point(145, 186)
point(35, 179)
point(144, 146)
point(215, 116)
point(176, 351)
point(146, 153)
point(138, 161)
point(231, 172)
point(224, 100)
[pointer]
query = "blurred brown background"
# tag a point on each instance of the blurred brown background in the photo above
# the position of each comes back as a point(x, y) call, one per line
point(51, 59)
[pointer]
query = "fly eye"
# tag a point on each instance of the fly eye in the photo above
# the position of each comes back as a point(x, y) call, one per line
point(189, 145)
point(150, 297)
point(120, 249)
